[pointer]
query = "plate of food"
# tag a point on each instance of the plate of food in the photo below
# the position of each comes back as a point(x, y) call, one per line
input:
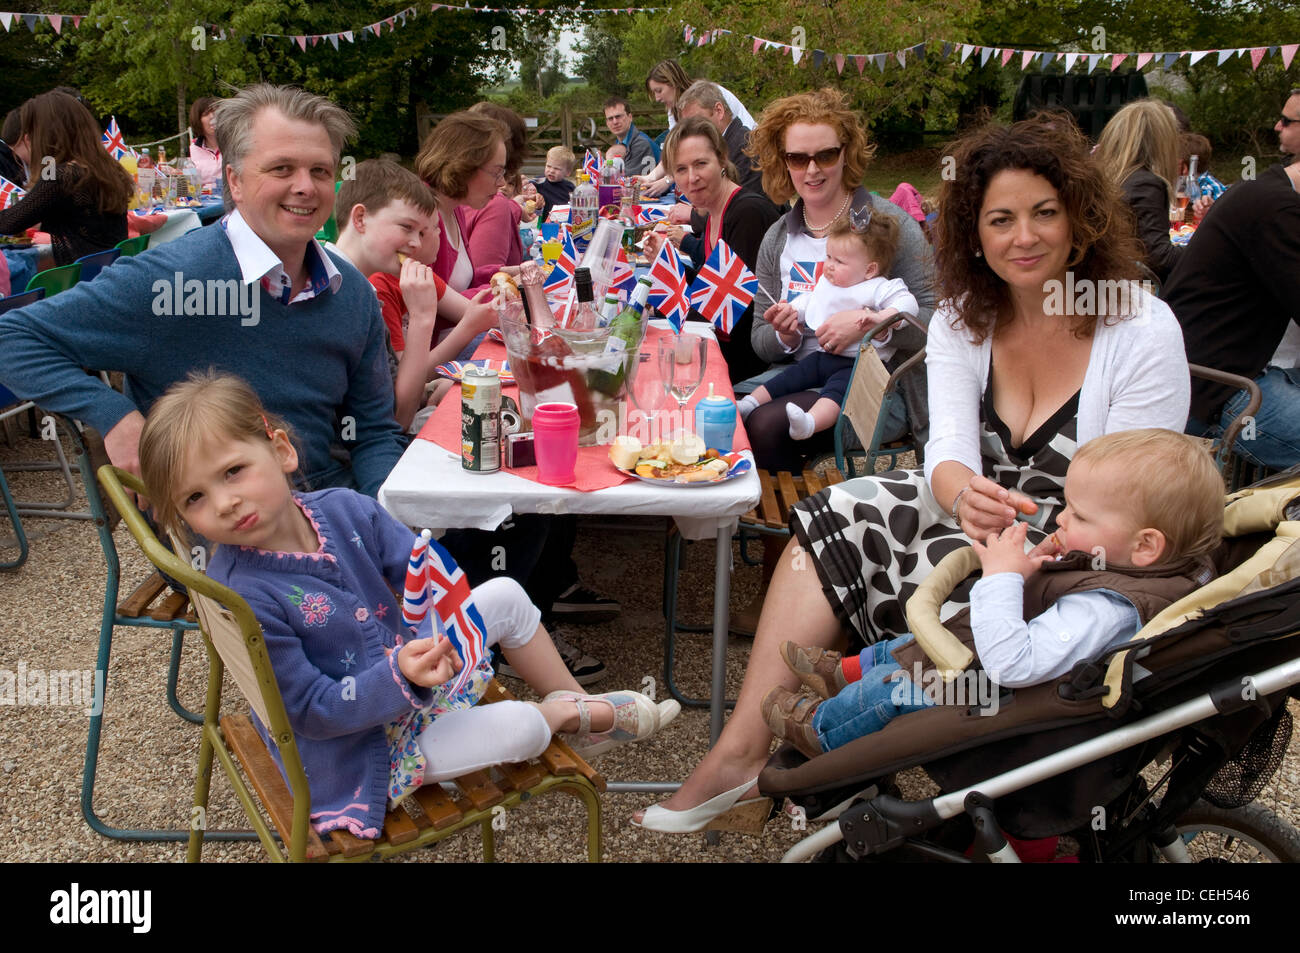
point(683, 462)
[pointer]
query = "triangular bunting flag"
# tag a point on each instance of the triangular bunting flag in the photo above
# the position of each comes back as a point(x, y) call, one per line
point(985, 53)
point(347, 35)
point(1144, 59)
point(1257, 56)
point(56, 21)
point(1006, 56)
point(1093, 60)
point(1225, 55)
point(7, 19)
point(839, 63)
point(1026, 58)
point(918, 51)
point(1070, 60)
point(334, 39)
point(30, 19)
point(796, 52)
point(966, 51)
point(76, 21)
point(758, 41)
point(862, 63)
point(687, 33)
point(1194, 58)
point(947, 49)
point(301, 41)
point(1171, 59)
point(819, 57)
point(901, 55)
point(1288, 53)
point(1116, 60)
point(880, 61)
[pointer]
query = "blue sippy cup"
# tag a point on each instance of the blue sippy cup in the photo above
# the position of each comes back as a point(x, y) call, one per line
point(715, 421)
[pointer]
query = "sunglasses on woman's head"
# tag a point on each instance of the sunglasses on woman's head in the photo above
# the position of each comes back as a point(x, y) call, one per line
point(822, 159)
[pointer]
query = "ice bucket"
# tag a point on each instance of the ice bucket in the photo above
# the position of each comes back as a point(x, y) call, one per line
point(575, 367)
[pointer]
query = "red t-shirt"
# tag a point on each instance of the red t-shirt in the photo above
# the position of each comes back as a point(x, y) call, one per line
point(394, 308)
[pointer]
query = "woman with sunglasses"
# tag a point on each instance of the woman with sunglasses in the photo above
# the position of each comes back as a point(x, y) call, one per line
point(1018, 380)
point(812, 148)
point(464, 161)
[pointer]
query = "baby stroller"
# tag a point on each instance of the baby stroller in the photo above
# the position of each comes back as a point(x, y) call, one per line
point(1153, 750)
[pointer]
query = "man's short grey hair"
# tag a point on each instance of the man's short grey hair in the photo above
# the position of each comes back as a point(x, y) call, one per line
point(235, 117)
point(704, 94)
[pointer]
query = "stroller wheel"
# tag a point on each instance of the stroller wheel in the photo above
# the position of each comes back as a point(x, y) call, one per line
point(1245, 835)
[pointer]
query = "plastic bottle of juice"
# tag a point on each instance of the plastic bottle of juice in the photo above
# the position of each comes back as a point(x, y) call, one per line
point(584, 205)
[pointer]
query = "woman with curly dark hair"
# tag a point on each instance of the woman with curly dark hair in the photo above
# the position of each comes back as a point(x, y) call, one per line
point(76, 191)
point(1041, 343)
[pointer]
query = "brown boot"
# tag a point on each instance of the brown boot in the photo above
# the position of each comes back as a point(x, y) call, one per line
point(790, 716)
point(820, 670)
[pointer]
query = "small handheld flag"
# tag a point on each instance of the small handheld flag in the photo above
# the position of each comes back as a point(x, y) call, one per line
point(10, 192)
point(724, 288)
point(668, 286)
point(560, 279)
point(113, 141)
point(433, 580)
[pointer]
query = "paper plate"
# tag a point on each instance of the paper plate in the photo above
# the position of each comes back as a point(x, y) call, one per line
point(740, 465)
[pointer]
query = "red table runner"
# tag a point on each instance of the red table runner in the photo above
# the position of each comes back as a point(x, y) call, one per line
point(594, 470)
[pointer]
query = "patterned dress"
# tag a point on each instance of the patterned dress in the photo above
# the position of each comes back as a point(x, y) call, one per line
point(874, 539)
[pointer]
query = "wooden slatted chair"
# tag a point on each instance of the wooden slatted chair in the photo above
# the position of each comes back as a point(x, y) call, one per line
point(149, 605)
point(234, 641)
point(872, 386)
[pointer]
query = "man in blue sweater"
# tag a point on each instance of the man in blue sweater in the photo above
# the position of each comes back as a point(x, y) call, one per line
point(255, 295)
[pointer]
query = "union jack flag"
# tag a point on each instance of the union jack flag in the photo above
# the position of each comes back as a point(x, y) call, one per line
point(803, 277)
point(648, 214)
point(624, 274)
point(724, 287)
point(113, 141)
point(668, 286)
point(10, 192)
point(434, 579)
point(593, 166)
point(560, 280)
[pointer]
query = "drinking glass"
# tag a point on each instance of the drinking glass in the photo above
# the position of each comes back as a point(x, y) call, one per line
point(689, 358)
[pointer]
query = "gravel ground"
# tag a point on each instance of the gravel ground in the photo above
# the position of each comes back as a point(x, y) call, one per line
point(49, 617)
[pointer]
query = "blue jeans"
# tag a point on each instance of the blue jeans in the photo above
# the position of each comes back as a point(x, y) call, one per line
point(866, 706)
point(1274, 440)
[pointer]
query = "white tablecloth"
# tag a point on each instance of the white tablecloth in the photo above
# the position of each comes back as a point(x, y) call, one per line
point(429, 488)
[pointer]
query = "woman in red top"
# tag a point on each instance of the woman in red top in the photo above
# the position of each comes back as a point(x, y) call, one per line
point(695, 155)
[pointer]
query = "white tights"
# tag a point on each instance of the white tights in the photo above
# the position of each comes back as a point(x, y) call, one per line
point(501, 733)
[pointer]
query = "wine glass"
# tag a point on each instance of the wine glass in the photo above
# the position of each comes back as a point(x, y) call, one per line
point(690, 355)
point(648, 393)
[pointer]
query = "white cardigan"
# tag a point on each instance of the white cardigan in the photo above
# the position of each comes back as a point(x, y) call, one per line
point(1137, 377)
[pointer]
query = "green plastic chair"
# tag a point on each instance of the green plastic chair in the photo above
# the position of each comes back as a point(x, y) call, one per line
point(329, 232)
point(234, 641)
point(54, 280)
point(133, 246)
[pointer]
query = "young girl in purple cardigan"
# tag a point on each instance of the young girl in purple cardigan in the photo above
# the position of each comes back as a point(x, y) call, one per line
point(320, 571)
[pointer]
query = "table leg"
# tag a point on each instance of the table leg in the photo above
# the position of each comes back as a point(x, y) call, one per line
point(721, 624)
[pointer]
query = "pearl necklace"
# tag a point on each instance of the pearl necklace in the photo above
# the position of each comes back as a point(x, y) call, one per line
point(821, 228)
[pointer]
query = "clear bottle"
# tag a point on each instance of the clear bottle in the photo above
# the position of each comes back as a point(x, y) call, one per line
point(584, 205)
point(190, 175)
point(1193, 185)
point(162, 155)
point(609, 310)
point(144, 179)
point(145, 161)
point(585, 316)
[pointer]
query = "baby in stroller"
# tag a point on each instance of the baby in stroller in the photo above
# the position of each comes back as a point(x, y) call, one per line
point(1144, 508)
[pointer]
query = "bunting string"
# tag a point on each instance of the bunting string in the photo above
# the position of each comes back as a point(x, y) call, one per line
point(999, 56)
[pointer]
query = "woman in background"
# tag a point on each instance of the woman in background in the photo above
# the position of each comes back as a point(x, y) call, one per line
point(204, 151)
point(75, 190)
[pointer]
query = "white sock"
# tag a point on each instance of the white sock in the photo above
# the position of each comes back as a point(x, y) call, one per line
point(746, 406)
point(802, 425)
